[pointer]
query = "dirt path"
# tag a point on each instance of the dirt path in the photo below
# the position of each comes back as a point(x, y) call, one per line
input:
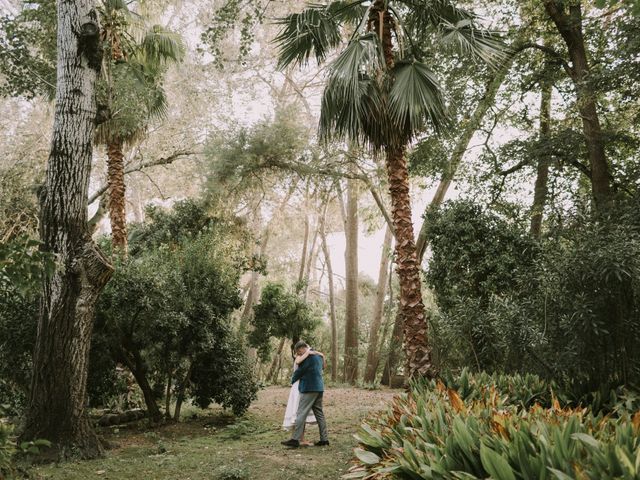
point(212, 445)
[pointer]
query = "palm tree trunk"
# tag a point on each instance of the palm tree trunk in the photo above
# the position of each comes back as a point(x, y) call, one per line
point(117, 201)
point(540, 189)
point(57, 402)
point(418, 361)
point(351, 271)
point(411, 308)
point(569, 26)
point(378, 310)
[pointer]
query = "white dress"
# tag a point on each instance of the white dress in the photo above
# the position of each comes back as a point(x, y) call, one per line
point(292, 407)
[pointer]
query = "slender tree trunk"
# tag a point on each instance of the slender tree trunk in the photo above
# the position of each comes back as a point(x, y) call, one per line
point(351, 270)
point(274, 365)
point(378, 310)
point(470, 125)
point(332, 302)
point(182, 389)
point(569, 25)
point(540, 189)
point(132, 359)
point(117, 200)
point(56, 409)
point(167, 396)
point(395, 347)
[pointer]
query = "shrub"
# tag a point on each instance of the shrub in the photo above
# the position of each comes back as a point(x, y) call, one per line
point(433, 432)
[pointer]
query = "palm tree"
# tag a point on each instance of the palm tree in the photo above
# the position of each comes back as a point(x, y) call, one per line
point(381, 93)
point(131, 94)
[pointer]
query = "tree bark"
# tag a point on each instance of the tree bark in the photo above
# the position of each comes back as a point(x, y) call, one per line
point(378, 311)
point(542, 176)
point(418, 361)
point(351, 271)
point(470, 125)
point(132, 359)
point(182, 389)
point(117, 200)
point(569, 25)
point(332, 301)
point(395, 346)
point(274, 365)
point(56, 409)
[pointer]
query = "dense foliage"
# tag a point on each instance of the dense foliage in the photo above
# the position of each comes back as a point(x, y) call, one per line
point(166, 313)
point(485, 431)
point(565, 307)
point(280, 314)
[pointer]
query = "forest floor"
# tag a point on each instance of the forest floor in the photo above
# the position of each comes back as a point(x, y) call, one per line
point(210, 444)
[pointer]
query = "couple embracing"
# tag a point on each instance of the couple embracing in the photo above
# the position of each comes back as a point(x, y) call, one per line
point(305, 398)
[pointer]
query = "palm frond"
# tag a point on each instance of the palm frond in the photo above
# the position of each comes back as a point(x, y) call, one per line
point(314, 31)
point(358, 119)
point(467, 39)
point(347, 12)
point(415, 99)
point(363, 56)
point(433, 12)
point(161, 46)
point(116, 6)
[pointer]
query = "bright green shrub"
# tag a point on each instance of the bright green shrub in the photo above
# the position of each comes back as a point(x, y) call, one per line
point(433, 433)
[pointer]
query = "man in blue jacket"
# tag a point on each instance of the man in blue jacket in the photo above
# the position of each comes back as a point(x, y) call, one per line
point(311, 388)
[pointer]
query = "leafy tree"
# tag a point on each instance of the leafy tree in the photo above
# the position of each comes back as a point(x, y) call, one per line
point(166, 316)
point(381, 93)
point(57, 398)
point(280, 314)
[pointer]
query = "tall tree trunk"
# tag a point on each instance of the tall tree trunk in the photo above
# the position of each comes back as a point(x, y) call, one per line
point(117, 200)
point(395, 346)
point(378, 310)
point(470, 125)
point(542, 176)
point(351, 271)
point(57, 400)
point(418, 352)
point(569, 25)
point(332, 301)
point(418, 361)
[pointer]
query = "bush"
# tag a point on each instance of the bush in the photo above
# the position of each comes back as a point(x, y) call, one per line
point(432, 432)
point(566, 308)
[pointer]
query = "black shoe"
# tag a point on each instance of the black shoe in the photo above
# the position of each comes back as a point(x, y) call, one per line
point(292, 442)
point(322, 443)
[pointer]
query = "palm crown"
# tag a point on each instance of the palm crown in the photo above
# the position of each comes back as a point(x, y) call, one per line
point(131, 85)
point(380, 91)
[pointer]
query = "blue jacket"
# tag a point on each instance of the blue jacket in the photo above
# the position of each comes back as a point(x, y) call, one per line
point(309, 373)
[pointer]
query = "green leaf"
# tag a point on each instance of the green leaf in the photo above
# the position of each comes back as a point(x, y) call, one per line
point(495, 464)
point(585, 438)
point(366, 457)
point(312, 31)
point(416, 98)
point(560, 475)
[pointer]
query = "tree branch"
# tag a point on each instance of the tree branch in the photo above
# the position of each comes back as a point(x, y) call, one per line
point(140, 167)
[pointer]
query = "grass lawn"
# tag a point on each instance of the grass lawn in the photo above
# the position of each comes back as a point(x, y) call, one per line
point(208, 444)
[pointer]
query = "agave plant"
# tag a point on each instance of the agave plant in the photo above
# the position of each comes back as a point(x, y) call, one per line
point(382, 93)
point(131, 94)
point(435, 432)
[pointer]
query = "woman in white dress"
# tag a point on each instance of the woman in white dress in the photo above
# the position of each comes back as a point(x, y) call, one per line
point(294, 398)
